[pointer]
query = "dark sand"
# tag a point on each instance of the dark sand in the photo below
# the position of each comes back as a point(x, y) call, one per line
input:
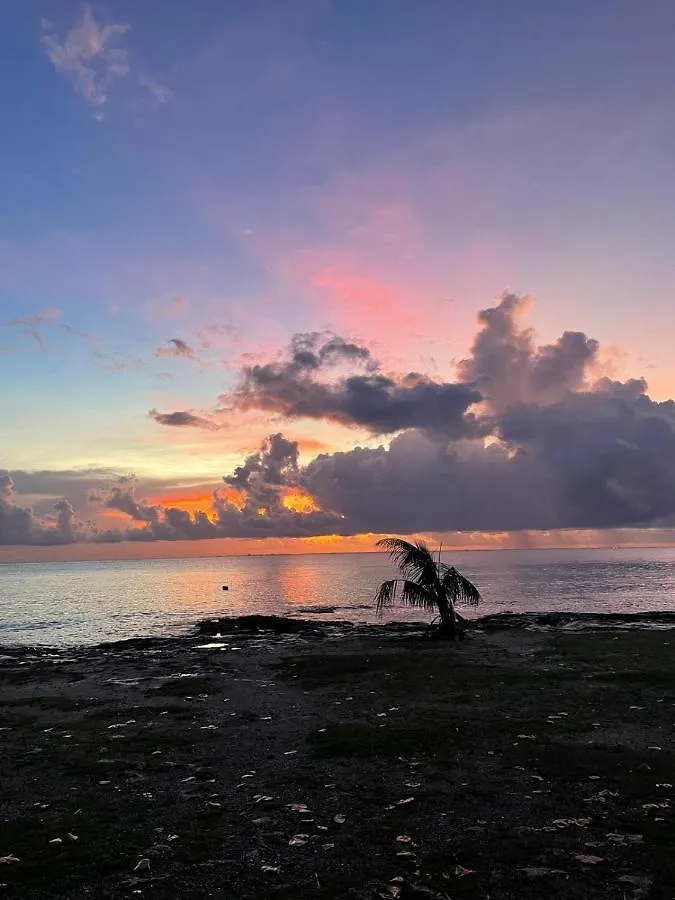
point(353, 763)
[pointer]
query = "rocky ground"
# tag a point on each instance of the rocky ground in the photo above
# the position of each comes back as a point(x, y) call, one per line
point(336, 762)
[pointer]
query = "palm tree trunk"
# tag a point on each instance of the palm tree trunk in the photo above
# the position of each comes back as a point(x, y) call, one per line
point(447, 613)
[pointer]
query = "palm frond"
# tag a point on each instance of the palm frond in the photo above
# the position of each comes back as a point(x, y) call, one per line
point(414, 560)
point(457, 587)
point(409, 593)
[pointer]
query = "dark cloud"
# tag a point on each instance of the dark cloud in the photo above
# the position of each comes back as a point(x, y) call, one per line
point(183, 418)
point(275, 463)
point(609, 453)
point(548, 448)
point(264, 480)
point(373, 400)
point(41, 489)
point(507, 366)
point(177, 347)
point(122, 497)
point(19, 525)
point(563, 452)
point(418, 484)
point(310, 351)
point(592, 463)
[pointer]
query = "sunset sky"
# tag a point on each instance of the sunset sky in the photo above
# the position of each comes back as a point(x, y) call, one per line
point(245, 247)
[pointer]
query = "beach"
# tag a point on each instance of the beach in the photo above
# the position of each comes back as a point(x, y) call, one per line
point(335, 761)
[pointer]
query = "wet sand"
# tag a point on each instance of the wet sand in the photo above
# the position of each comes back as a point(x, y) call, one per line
point(343, 762)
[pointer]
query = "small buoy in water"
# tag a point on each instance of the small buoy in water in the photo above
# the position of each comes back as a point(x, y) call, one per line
point(225, 587)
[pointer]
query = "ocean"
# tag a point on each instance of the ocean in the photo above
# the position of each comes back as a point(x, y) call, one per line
point(68, 604)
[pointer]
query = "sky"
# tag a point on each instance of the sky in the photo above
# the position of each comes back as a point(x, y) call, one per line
point(287, 276)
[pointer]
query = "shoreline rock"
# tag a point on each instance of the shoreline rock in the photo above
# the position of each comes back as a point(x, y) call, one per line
point(249, 626)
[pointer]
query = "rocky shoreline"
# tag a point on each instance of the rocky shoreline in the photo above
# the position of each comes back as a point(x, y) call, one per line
point(325, 760)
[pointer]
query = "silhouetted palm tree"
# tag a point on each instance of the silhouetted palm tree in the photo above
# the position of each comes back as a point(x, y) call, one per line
point(425, 583)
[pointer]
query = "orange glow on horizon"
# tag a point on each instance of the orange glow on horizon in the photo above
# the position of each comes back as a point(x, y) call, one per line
point(293, 499)
point(330, 543)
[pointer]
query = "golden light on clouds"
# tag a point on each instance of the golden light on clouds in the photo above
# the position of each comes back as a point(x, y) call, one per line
point(188, 502)
point(232, 496)
point(489, 440)
point(299, 501)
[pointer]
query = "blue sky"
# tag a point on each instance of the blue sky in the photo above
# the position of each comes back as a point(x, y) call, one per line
point(231, 173)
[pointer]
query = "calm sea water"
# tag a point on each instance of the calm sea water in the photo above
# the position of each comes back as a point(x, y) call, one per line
point(88, 602)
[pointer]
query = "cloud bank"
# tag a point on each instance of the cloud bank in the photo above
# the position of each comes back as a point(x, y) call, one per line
point(19, 525)
point(528, 438)
point(293, 388)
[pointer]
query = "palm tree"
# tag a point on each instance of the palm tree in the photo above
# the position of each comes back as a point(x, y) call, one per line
point(425, 582)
